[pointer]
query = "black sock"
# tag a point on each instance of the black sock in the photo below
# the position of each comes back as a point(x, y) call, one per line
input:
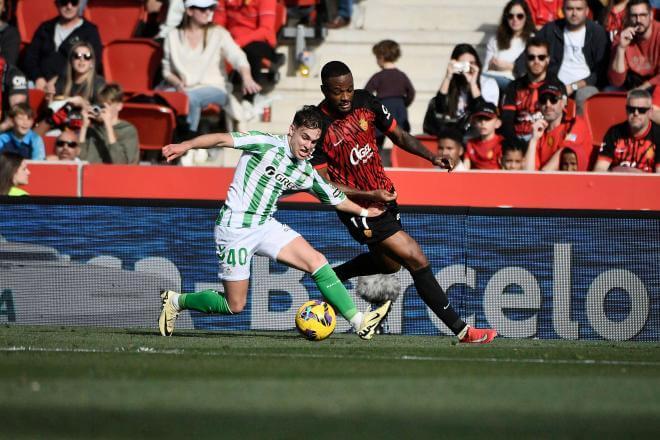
point(361, 265)
point(434, 297)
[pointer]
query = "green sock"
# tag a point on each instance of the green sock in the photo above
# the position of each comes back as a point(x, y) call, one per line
point(207, 301)
point(334, 291)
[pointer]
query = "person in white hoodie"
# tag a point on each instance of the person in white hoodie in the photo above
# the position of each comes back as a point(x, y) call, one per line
point(194, 60)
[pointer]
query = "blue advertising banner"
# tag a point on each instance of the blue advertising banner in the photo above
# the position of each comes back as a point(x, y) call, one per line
point(529, 274)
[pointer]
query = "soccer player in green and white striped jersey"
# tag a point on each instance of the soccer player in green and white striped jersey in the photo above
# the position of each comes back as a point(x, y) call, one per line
point(270, 164)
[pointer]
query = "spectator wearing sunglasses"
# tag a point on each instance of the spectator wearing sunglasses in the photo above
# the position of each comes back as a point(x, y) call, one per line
point(556, 131)
point(579, 52)
point(521, 96)
point(66, 147)
point(636, 53)
point(46, 56)
point(502, 50)
point(80, 78)
point(631, 146)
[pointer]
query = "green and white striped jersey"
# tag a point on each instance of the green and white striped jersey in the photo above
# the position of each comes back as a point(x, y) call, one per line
point(265, 170)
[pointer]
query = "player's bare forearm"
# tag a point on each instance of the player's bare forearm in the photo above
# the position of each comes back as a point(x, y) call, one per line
point(411, 144)
point(351, 207)
point(213, 140)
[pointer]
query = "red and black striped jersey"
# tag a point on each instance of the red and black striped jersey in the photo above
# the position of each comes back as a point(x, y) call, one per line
point(520, 99)
point(620, 148)
point(349, 148)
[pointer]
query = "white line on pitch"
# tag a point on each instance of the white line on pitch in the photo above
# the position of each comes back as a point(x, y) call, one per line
point(149, 350)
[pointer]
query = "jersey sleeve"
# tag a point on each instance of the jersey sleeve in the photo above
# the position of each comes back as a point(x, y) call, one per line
point(326, 193)
point(253, 141)
point(384, 120)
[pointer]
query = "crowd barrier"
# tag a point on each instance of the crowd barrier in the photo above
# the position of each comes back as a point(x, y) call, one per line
point(545, 274)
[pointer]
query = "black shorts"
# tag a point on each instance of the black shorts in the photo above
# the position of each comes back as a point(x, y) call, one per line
point(372, 230)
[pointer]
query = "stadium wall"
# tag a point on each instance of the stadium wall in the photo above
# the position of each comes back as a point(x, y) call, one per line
point(529, 273)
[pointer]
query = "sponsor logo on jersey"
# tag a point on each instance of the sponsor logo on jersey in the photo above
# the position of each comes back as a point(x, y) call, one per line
point(386, 112)
point(361, 154)
point(281, 178)
point(571, 137)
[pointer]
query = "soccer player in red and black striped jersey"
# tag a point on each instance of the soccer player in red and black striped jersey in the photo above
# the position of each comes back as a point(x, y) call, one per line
point(349, 158)
point(632, 146)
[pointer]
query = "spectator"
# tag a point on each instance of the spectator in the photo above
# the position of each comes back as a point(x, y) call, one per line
point(344, 14)
point(80, 78)
point(103, 136)
point(194, 60)
point(545, 11)
point(636, 53)
point(502, 50)
point(252, 25)
point(459, 91)
point(568, 160)
point(450, 147)
point(10, 40)
point(581, 67)
point(484, 151)
point(14, 90)
point(631, 146)
point(519, 103)
point(47, 54)
point(615, 14)
point(154, 17)
point(13, 173)
point(513, 154)
point(21, 139)
point(391, 86)
point(556, 131)
point(66, 147)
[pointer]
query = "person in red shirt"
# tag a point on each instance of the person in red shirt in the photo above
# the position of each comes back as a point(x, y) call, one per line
point(636, 51)
point(485, 151)
point(545, 11)
point(252, 25)
point(632, 145)
point(348, 158)
point(556, 131)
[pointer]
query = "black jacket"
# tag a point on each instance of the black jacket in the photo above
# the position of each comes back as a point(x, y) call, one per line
point(596, 51)
point(41, 58)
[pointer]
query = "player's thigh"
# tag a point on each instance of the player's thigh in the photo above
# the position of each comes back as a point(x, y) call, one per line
point(384, 262)
point(301, 255)
point(236, 294)
point(235, 248)
point(403, 249)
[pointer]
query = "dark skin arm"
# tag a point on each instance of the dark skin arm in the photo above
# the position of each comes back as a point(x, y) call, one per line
point(376, 195)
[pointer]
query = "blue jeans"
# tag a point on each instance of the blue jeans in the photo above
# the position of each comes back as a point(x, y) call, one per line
point(200, 98)
point(345, 8)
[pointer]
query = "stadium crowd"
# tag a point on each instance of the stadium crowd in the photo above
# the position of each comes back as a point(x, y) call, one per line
point(525, 107)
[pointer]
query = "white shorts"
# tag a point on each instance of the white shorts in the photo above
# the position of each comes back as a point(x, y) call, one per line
point(236, 246)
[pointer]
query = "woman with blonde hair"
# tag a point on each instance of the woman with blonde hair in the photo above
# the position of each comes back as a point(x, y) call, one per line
point(81, 78)
point(13, 172)
point(194, 62)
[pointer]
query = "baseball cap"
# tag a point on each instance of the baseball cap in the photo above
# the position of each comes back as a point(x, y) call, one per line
point(486, 109)
point(552, 86)
point(200, 3)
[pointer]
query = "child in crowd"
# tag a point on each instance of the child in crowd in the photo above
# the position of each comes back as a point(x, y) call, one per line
point(21, 139)
point(391, 86)
point(450, 146)
point(513, 154)
point(484, 152)
point(568, 160)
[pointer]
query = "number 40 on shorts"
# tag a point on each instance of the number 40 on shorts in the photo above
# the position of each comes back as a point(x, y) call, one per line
point(232, 256)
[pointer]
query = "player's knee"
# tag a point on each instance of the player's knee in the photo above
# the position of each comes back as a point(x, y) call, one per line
point(316, 261)
point(416, 260)
point(390, 268)
point(236, 305)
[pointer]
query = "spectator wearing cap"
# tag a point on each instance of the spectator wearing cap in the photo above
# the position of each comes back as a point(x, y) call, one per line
point(636, 53)
point(46, 56)
point(521, 96)
point(579, 51)
point(556, 131)
point(632, 145)
point(484, 151)
point(513, 154)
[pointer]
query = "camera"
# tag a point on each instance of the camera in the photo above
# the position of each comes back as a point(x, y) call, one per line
point(96, 109)
point(462, 67)
point(537, 116)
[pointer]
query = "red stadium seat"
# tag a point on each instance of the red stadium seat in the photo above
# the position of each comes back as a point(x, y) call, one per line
point(155, 123)
point(30, 14)
point(178, 101)
point(403, 159)
point(49, 144)
point(116, 19)
point(36, 99)
point(132, 63)
point(603, 110)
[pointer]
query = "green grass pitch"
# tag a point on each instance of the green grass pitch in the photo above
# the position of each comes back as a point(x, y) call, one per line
point(60, 382)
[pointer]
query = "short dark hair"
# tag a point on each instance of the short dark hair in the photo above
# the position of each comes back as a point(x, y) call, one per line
point(111, 92)
point(514, 144)
point(333, 69)
point(388, 50)
point(451, 133)
point(632, 3)
point(21, 108)
point(537, 42)
point(309, 117)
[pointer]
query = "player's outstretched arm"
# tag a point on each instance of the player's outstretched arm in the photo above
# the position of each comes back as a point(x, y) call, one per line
point(411, 144)
point(351, 207)
point(377, 195)
point(213, 140)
